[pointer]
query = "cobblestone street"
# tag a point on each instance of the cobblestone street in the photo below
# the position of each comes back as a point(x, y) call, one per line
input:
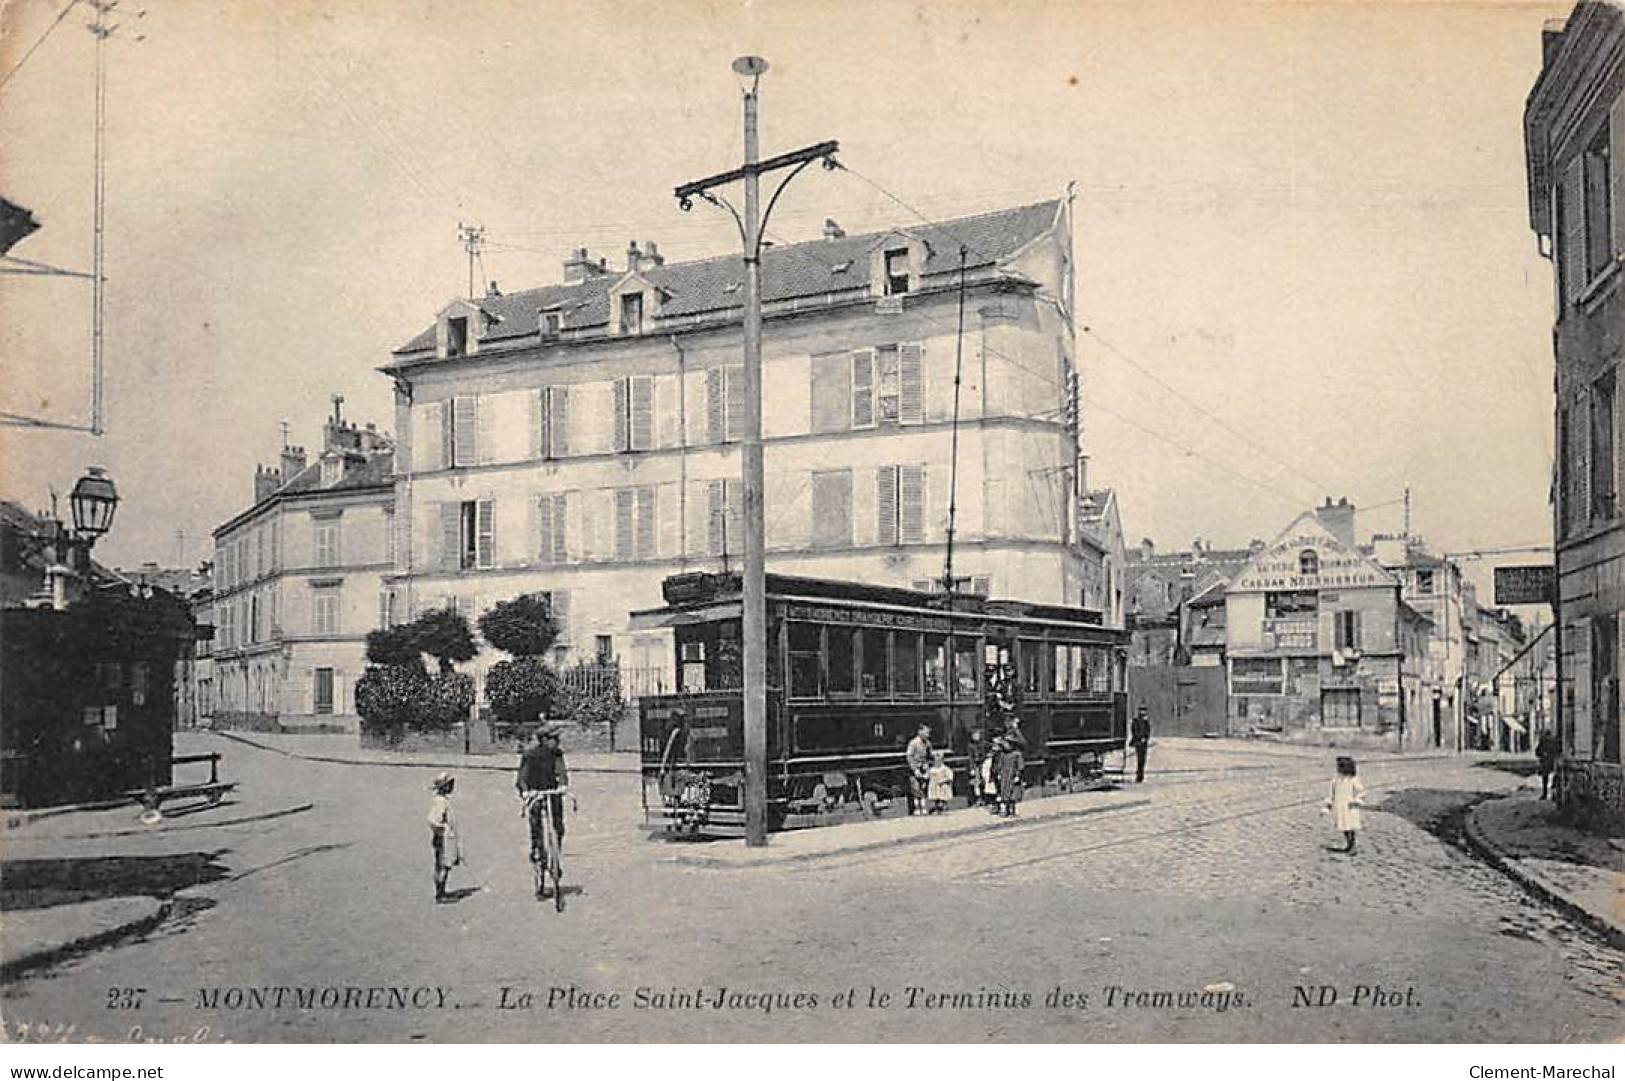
point(1215, 875)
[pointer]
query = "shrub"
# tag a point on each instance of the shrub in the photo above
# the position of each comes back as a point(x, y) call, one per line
point(520, 689)
point(387, 697)
point(445, 701)
point(523, 626)
point(587, 709)
point(444, 635)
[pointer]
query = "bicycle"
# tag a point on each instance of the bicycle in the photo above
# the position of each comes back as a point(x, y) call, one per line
point(545, 850)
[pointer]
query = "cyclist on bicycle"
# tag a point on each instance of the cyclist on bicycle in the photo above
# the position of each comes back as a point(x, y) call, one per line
point(542, 783)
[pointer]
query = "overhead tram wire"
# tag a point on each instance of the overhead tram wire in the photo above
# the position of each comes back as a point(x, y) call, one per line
point(1261, 485)
point(63, 14)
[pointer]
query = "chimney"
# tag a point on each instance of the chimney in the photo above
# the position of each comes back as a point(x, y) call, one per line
point(634, 258)
point(293, 463)
point(1147, 549)
point(581, 266)
point(652, 256)
point(266, 481)
point(1338, 519)
point(492, 290)
point(832, 230)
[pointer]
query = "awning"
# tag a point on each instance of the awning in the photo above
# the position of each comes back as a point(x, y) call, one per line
point(656, 618)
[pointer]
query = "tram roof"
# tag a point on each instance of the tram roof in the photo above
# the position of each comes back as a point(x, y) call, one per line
point(702, 596)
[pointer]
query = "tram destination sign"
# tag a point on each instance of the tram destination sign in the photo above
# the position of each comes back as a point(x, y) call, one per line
point(1531, 584)
point(869, 616)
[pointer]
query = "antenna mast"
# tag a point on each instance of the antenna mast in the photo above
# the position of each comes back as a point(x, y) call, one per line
point(953, 454)
point(473, 238)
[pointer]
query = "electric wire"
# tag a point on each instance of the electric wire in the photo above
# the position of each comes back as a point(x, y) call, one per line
point(63, 14)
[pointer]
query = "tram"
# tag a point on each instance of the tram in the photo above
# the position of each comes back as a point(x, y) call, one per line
point(853, 670)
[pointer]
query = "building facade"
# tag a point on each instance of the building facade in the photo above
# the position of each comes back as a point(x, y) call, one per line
point(299, 581)
point(1574, 134)
point(581, 440)
point(1100, 527)
point(1320, 646)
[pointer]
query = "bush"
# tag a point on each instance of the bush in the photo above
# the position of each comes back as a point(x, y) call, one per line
point(523, 626)
point(520, 689)
point(387, 697)
point(445, 702)
point(587, 709)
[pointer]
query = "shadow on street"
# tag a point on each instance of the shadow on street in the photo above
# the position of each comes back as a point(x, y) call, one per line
point(42, 883)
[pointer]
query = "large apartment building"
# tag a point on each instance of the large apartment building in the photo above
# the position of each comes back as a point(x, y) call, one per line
point(582, 439)
point(1574, 138)
point(298, 583)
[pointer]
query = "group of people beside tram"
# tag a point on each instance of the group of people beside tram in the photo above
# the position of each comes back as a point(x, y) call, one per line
point(994, 776)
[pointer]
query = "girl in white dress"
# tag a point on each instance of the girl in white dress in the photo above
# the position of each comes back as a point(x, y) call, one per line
point(1345, 801)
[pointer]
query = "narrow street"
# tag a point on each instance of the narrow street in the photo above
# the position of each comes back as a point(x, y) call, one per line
point(1214, 875)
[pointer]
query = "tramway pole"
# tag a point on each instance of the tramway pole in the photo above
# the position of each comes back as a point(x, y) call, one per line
point(751, 227)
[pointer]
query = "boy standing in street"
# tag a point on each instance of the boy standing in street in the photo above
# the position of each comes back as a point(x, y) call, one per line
point(448, 850)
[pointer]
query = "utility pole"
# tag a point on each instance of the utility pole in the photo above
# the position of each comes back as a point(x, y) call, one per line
point(473, 238)
point(751, 226)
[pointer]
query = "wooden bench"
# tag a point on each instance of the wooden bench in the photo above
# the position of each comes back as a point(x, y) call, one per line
point(213, 790)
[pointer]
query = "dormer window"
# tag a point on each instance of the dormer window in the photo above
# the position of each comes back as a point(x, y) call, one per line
point(1309, 562)
point(551, 323)
point(332, 471)
point(896, 269)
point(457, 336)
point(631, 313)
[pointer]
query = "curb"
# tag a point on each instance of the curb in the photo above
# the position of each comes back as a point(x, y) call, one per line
point(11, 968)
point(435, 764)
point(1537, 884)
point(716, 863)
point(262, 816)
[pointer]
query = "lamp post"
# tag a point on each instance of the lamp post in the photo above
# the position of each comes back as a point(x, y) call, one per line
point(754, 586)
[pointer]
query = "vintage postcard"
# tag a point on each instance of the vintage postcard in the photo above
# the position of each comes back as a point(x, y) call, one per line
point(791, 522)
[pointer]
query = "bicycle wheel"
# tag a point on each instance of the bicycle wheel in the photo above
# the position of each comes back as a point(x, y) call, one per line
point(554, 865)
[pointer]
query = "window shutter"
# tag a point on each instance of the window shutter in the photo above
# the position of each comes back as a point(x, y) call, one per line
point(832, 509)
point(886, 505)
point(483, 443)
point(485, 537)
point(1579, 663)
point(669, 506)
point(559, 602)
point(716, 527)
point(831, 392)
point(1571, 226)
point(715, 431)
point(460, 442)
point(863, 389)
point(624, 502)
point(431, 439)
point(560, 538)
point(558, 421)
point(621, 425)
point(1580, 431)
point(538, 423)
point(911, 389)
point(542, 528)
point(911, 501)
point(450, 535)
point(735, 380)
point(647, 523)
point(642, 388)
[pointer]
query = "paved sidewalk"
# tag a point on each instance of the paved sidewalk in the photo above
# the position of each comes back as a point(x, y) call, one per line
point(346, 749)
point(31, 937)
point(1579, 871)
point(792, 846)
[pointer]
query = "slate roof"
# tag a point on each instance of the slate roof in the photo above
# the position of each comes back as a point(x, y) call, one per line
point(362, 471)
point(814, 268)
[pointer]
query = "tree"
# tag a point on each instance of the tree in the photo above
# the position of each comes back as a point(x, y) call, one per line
point(395, 647)
point(523, 626)
point(444, 635)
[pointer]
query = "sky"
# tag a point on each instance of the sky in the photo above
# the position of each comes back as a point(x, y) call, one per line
point(1304, 259)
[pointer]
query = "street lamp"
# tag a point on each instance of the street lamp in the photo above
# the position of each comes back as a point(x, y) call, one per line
point(94, 500)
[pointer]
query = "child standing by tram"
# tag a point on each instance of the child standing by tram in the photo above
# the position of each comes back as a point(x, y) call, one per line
point(939, 782)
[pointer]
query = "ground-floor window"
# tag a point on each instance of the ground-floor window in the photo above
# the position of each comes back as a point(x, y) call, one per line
point(1340, 708)
point(324, 691)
